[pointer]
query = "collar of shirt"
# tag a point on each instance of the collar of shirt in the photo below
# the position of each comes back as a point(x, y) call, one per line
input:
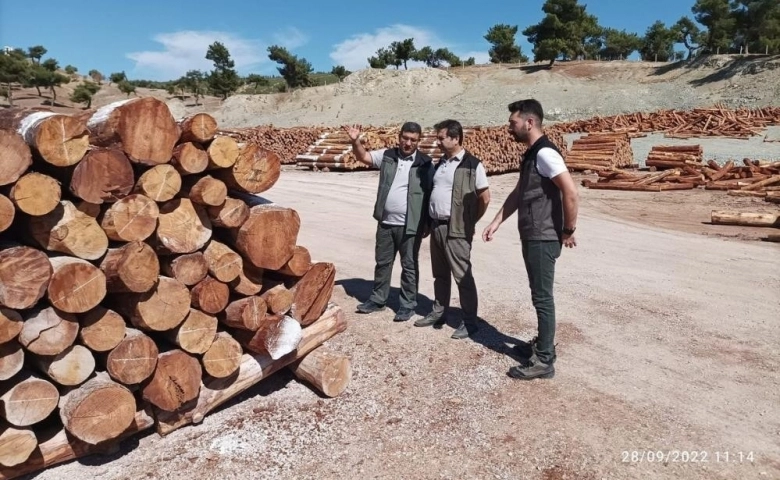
point(458, 156)
point(411, 157)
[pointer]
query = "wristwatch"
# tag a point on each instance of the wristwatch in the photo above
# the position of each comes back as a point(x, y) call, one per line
point(569, 231)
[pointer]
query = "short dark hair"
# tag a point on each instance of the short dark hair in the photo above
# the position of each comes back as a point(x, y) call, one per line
point(528, 106)
point(453, 127)
point(411, 127)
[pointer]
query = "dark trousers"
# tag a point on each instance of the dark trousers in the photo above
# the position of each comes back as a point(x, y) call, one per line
point(391, 240)
point(451, 257)
point(540, 257)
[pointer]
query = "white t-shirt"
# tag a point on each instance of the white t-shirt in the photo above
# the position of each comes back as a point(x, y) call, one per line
point(395, 206)
point(550, 163)
point(441, 196)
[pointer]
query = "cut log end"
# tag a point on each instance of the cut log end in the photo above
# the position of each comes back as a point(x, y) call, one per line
point(7, 213)
point(183, 227)
point(101, 329)
point(47, 331)
point(36, 194)
point(24, 274)
point(16, 156)
point(328, 371)
point(29, 401)
point(76, 285)
point(200, 128)
point(160, 183)
point(175, 381)
point(132, 268)
point(104, 175)
point(16, 445)
point(269, 236)
point(223, 358)
point(66, 229)
point(131, 219)
point(134, 359)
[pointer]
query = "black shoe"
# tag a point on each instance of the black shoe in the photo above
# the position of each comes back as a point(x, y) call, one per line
point(431, 319)
point(465, 330)
point(403, 315)
point(369, 307)
point(534, 369)
point(525, 350)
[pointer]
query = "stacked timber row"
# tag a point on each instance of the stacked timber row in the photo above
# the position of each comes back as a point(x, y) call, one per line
point(600, 152)
point(142, 282)
point(284, 142)
point(674, 156)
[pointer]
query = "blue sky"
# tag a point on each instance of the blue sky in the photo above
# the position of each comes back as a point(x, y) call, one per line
point(162, 39)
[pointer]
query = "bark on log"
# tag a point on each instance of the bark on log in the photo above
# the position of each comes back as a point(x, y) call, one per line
point(189, 268)
point(131, 219)
point(328, 371)
point(104, 175)
point(35, 194)
point(16, 445)
point(231, 214)
point(16, 156)
point(162, 308)
point(245, 313)
point(28, 401)
point(249, 282)
point(70, 368)
point(133, 267)
point(269, 236)
point(223, 358)
point(745, 218)
point(161, 183)
point(278, 298)
point(196, 333)
point(312, 292)
point(175, 381)
point(134, 359)
point(10, 325)
point(47, 331)
point(223, 153)
point(143, 127)
point(210, 295)
point(60, 140)
point(24, 275)
point(183, 227)
point(299, 264)
point(68, 230)
point(98, 410)
point(254, 368)
point(62, 448)
point(199, 128)
point(224, 264)
point(8, 212)
point(11, 360)
point(189, 158)
point(102, 329)
point(206, 190)
point(278, 336)
point(255, 171)
point(76, 285)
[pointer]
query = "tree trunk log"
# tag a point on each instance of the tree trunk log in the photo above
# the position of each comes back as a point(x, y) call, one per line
point(328, 371)
point(102, 329)
point(268, 237)
point(133, 267)
point(10, 325)
point(134, 359)
point(249, 282)
point(60, 140)
point(11, 360)
point(161, 183)
point(47, 331)
point(70, 368)
point(224, 264)
point(254, 368)
point(245, 313)
point(98, 410)
point(24, 276)
point(312, 292)
point(210, 295)
point(255, 171)
point(183, 227)
point(189, 268)
point(745, 218)
point(278, 298)
point(199, 128)
point(29, 401)
point(131, 219)
point(196, 334)
point(189, 158)
point(175, 381)
point(143, 127)
point(278, 336)
point(162, 308)
point(104, 175)
point(16, 156)
point(8, 212)
point(231, 214)
point(16, 445)
point(68, 230)
point(35, 194)
point(206, 190)
point(223, 359)
point(299, 264)
point(76, 285)
point(223, 153)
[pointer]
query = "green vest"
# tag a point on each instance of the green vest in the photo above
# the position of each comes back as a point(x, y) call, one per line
point(420, 185)
point(465, 204)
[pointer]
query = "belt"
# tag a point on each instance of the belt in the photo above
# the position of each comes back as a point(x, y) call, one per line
point(440, 221)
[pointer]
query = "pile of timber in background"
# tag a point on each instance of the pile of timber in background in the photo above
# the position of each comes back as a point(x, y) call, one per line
point(600, 151)
point(142, 282)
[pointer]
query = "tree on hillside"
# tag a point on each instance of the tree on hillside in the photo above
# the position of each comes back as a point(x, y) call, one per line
point(36, 53)
point(14, 68)
point(117, 77)
point(403, 51)
point(565, 31)
point(126, 87)
point(757, 25)
point(195, 82)
point(689, 34)
point(256, 80)
point(504, 49)
point(96, 76)
point(384, 58)
point(70, 69)
point(658, 43)
point(294, 70)
point(340, 71)
point(619, 44)
point(721, 25)
point(83, 93)
point(223, 80)
point(426, 55)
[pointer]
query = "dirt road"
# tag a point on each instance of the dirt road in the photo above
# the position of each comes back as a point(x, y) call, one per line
point(668, 342)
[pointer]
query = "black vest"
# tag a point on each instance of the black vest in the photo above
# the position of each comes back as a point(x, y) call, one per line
point(540, 212)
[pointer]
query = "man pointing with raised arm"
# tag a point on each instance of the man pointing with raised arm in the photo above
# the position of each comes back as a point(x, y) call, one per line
point(546, 201)
point(401, 212)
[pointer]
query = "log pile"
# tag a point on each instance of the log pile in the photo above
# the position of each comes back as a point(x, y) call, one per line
point(600, 152)
point(142, 281)
point(287, 143)
point(674, 156)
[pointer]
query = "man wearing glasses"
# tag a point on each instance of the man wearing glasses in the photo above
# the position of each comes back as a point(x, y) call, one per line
point(401, 212)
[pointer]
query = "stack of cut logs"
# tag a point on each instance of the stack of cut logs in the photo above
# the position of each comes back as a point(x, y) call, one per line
point(284, 142)
point(674, 156)
point(142, 281)
point(600, 152)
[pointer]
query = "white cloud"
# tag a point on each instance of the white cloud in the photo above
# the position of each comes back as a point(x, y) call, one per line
point(291, 38)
